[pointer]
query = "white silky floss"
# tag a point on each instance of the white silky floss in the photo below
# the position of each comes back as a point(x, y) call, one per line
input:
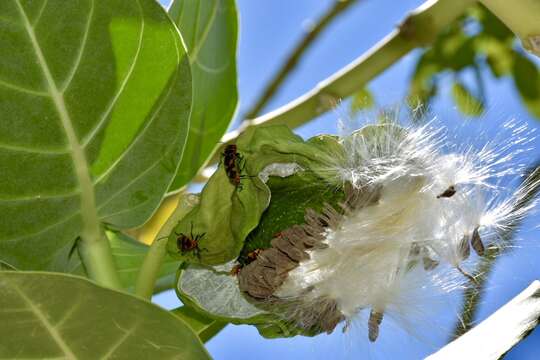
point(434, 195)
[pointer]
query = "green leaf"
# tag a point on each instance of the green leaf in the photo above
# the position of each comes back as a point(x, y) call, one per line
point(95, 98)
point(466, 102)
point(128, 256)
point(227, 212)
point(86, 322)
point(499, 55)
point(527, 80)
point(205, 327)
point(362, 100)
point(210, 30)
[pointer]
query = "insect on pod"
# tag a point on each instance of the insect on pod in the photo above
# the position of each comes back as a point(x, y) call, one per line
point(189, 243)
point(235, 269)
point(251, 256)
point(231, 161)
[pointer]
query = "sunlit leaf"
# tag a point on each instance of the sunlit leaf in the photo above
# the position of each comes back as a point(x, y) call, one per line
point(95, 99)
point(498, 54)
point(465, 101)
point(51, 315)
point(210, 30)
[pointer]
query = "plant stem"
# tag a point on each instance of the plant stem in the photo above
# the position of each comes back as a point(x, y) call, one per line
point(97, 258)
point(149, 271)
point(522, 17)
point(420, 28)
point(150, 268)
point(294, 57)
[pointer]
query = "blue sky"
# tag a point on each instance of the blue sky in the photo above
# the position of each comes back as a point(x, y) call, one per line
point(268, 30)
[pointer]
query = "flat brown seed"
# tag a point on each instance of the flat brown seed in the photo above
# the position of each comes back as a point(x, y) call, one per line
point(464, 248)
point(375, 319)
point(476, 243)
point(448, 192)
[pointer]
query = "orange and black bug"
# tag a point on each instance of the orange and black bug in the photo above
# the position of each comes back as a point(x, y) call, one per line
point(189, 243)
point(236, 269)
point(231, 161)
point(252, 256)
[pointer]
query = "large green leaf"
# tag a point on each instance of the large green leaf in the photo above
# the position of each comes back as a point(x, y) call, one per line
point(48, 315)
point(128, 257)
point(210, 30)
point(95, 98)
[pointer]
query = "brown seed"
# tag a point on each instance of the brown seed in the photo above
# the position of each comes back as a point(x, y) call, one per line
point(464, 248)
point(375, 319)
point(476, 243)
point(448, 192)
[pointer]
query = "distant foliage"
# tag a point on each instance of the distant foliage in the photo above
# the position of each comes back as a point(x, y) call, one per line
point(475, 40)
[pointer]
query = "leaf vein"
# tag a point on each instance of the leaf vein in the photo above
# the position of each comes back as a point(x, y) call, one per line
point(43, 229)
point(115, 346)
point(35, 151)
point(22, 89)
point(80, 52)
point(56, 336)
point(206, 31)
point(40, 13)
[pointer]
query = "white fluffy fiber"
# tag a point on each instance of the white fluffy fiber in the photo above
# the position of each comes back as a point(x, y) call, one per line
point(372, 260)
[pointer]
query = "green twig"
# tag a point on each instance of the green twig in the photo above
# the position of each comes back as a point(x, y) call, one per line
point(96, 255)
point(153, 261)
point(296, 54)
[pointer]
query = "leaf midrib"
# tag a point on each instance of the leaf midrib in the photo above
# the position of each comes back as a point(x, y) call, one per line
point(91, 225)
